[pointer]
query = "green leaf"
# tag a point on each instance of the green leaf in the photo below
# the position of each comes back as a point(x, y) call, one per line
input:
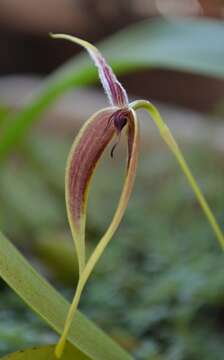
point(186, 44)
point(52, 307)
point(46, 353)
point(189, 45)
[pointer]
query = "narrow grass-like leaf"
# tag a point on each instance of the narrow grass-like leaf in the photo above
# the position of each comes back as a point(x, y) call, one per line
point(192, 45)
point(52, 307)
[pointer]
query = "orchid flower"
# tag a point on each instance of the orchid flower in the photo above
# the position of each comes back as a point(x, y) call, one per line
point(85, 153)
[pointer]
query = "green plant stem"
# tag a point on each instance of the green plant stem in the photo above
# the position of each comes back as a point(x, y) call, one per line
point(81, 250)
point(85, 274)
point(170, 141)
point(61, 344)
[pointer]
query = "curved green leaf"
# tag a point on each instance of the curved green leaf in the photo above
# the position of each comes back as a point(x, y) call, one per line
point(191, 45)
point(46, 353)
point(52, 307)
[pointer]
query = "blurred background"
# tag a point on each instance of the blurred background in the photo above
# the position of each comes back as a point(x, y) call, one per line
point(27, 49)
point(159, 288)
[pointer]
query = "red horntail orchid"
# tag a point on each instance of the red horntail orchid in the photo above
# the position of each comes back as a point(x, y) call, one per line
point(85, 153)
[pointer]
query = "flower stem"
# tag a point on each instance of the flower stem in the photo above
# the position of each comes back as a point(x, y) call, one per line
point(81, 284)
point(61, 344)
point(170, 141)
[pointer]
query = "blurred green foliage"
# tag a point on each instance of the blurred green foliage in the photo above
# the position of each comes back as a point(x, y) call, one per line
point(159, 288)
point(190, 45)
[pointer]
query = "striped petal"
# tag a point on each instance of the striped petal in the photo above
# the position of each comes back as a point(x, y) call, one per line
point(113, 88)
point(86, 151)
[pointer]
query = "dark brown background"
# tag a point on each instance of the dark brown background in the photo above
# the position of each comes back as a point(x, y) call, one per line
point(26, 47)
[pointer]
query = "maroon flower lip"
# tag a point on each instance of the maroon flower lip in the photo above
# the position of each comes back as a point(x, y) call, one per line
point(119, 119)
